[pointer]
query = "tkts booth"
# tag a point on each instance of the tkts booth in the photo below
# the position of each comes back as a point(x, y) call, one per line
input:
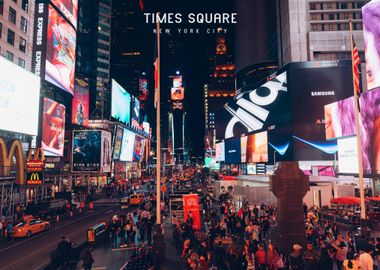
point(191, 205)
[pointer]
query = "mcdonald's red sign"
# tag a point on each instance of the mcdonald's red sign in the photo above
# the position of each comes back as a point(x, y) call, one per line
point(34, 178)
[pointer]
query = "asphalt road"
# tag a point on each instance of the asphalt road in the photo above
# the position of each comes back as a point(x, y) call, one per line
point(33, 253)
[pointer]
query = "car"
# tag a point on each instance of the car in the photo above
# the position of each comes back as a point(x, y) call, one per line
point(136, 199)
point(28, 227)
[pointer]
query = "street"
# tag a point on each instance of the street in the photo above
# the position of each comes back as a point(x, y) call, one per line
point(33, 253)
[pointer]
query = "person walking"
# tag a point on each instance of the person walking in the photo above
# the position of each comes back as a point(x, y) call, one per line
point(296, 260)
point(88, 259)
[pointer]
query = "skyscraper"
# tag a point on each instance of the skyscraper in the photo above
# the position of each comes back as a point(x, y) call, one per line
point(16, 31)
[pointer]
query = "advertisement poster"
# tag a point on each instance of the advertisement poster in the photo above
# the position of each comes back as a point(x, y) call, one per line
point(118, 137)
point(177, 93)
point(19, 99)
point(191, 206)
point(219, 151)
point(86, 150)
point(232, 150)
point(371, 14)
point(135, 112)
point(60, 52)
point(208, 143)
point(138, 149)
point(257, 147)
point(146, 127)
point(312, 86)
point(251, 169)
point(127, 145)
point(105, 158)
point(143, 89)
point(53, 128)
point(121, 103)
point(80, 104)
point(243, 148)
point(69, 8)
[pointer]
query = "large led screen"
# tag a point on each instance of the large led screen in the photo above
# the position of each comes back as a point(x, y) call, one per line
point(342, 123)
point(219, 151)
point(138, 149)
point(127, 145)
point(371, 15)
point(60, 52)
point(69, 8)
point(232, 150)
point(53, 128)
point(143, 89)
point(80, 103)
point(313, 85)
point(121, 103)
point(118, 139)
point(255, 110)
point(105, 157)
point(257, 147)
point(251, 168)
point(135, 112)
point(348, 155)
point(86, 150)
point(19, 99)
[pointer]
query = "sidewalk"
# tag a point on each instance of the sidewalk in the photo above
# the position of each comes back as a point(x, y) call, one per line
point(172, 260)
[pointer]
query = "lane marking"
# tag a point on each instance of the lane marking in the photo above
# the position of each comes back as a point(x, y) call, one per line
point(109, 211)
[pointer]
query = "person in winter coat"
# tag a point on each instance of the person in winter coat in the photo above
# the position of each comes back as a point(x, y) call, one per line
point(88, 259)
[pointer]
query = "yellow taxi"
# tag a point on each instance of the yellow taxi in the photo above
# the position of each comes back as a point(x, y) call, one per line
point(136, 199)
point(29, 226)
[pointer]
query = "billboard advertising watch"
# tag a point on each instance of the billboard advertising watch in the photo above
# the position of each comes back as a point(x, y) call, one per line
point(53, 127)
point(19, 99)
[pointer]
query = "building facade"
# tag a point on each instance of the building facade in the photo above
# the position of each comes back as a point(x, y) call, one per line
point(16, 31)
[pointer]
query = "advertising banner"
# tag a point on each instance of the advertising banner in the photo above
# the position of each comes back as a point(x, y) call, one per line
point(53, 128)
point(243, 149)
point(143, 90)
point(135, 112)
point(39, 40)
point(209, 143)
point(232, 150)
point(127, 146)
point(178, 93)
point(121, 103)
point(86, 150)
point(371, 14)
point(69, 8)
point(191, 206)
point(313, 85)
point(219, 151)
point(138, 149)
point(257, 147)
point(105, 158)
point(146, 127)
point(81, 103)
point(60, 52)
point(118, 138)
point(348, 155)
point(19, 99)
point(34, 178)
point(251, 169)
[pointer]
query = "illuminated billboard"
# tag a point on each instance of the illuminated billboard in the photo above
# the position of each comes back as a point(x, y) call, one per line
point(219, 151)
point(53, 128)
point(232, 150)
point(80, 103)
point(138, 149)
point(69, 8)
point(86, 150)
point(60, 52)
point(146, 127)
point(177, 91)
point(118, 138)
point(143, 89)
point(251, 169)
point(121, 103)
point(257, 147)
point(371, 14)
point(19, 99)
point(348, 155)
point(135, 112)
point(105, 157)
point(127, 145)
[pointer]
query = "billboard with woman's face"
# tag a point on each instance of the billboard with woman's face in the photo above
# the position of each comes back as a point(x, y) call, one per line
point(371, 27)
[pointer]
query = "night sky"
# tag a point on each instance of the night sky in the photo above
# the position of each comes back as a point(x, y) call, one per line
point(194, 62)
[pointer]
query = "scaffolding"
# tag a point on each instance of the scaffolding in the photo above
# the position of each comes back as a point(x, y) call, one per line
point(10, 195)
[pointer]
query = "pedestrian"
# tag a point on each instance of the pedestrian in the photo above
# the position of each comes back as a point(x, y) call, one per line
point(63, 251)
point(351, 264)
point(365, 260)
point(311, 257)
point(261, 257)
point(88, 259)
point(274, 260)
point(9, 231)
point(220, 257)
point(296, 260)
point(341, 253)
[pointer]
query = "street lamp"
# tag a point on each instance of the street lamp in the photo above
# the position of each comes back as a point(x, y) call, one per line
point(177, 72)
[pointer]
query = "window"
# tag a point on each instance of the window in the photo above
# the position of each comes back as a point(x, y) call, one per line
point(343, 6)
point(21, 62)
point(353, 15)
point(313, 17)
point(329, 5)
point(331, 16)
point(9, 56)
point(11, 37)
point(345, 15)
point(25, 5)
point(323, 27)
point(24, 25)
point(314, 27)
point(104, 46)
point(337, 16)
point(12, 15)
point(22, 45)
point(331, 27)
point(1, 7)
